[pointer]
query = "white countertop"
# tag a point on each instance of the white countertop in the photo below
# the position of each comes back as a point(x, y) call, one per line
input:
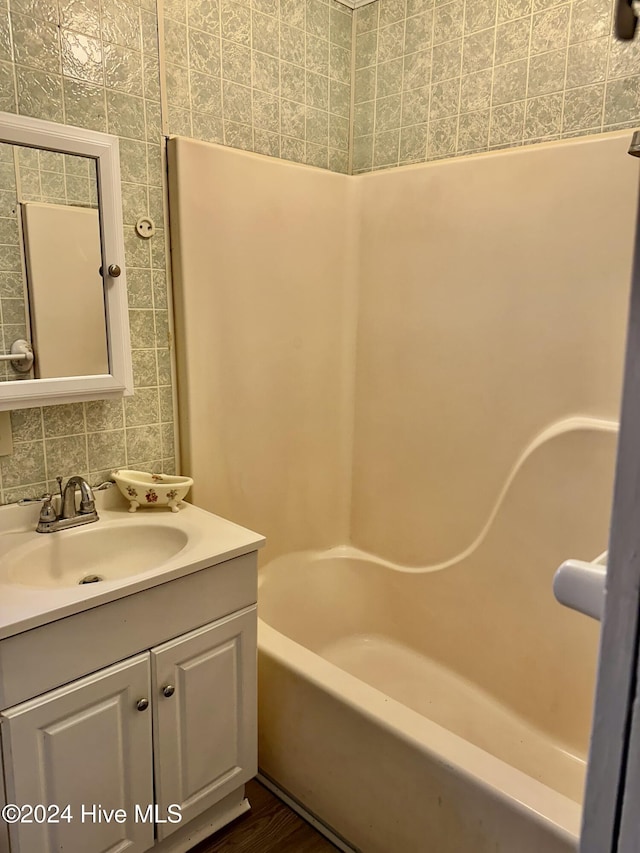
point(210, 540)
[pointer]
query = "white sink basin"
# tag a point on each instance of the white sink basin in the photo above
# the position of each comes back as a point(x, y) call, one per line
point(41, 573)
point(91, 554)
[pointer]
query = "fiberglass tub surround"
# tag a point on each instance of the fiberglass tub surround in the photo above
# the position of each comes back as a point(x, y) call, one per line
point(426, 366)
point(473, 645)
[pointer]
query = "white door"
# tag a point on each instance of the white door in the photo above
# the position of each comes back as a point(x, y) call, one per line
point(611, 819)
point(205, 719)
point(84, 745)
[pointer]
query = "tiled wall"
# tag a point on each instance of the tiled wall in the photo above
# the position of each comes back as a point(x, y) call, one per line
point(438, 79)
point(95, 64)
point(432, 79)
point(271, 76)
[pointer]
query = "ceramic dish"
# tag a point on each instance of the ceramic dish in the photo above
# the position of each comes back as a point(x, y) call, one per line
point(143, 489)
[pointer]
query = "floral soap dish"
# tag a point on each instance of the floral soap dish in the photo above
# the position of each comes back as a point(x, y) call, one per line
point(143, 489)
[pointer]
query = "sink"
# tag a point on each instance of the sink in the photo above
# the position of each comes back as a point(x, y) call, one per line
point(45, 577)
point(91, 554)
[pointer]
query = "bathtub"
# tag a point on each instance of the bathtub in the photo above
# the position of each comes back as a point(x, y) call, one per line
point(443, 708)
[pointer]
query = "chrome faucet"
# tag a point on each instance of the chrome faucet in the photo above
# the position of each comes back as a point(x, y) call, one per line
point(70, 514)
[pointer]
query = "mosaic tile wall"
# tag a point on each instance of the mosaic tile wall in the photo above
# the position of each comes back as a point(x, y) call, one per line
point(432, 79)
point(438, 79)
point(95, 64)
point(271, 76)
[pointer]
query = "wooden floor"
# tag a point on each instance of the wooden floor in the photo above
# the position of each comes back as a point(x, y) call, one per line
point(270, 827)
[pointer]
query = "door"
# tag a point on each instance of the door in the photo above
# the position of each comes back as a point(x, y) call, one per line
point(610, 815)
point(86, 745)
point(205, 718)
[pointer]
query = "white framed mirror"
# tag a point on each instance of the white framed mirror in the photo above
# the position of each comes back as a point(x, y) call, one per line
point(64, 325)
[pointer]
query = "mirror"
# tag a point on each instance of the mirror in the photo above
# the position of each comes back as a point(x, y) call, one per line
point(51, 289)
point(64, 333)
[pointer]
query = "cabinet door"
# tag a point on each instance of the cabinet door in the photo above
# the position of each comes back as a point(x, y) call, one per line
point(205, 727)
point(83, 745)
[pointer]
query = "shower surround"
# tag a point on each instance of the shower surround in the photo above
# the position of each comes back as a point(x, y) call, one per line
point(409, 380)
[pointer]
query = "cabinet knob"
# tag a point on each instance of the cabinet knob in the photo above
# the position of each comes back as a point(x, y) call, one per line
point(114, 270)
point(142, 704)
point(168, 691)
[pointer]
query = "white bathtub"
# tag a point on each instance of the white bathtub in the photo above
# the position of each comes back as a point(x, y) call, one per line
point(443, 709)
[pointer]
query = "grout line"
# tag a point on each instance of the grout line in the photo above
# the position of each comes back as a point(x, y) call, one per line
point(607, 79)
point(251, 52)
point(402, 89)
point(352, 91)
point(12, 53)
point(566, 70)
point(188, 66)
point(433, 33)
point(493, 73)
point(306, 110)
point(526, 91)
point(162, 72)
point(86, 435)
point(375, 89)
point(459, 108)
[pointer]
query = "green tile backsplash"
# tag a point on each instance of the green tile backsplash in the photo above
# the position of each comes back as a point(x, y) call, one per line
point(272, 76)
point(93, 64)
point(439, 79)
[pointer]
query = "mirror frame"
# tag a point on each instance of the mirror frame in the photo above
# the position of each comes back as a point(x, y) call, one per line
point(104, 149)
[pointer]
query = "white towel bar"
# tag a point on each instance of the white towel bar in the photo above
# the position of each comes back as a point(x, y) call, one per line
point(21, 356)
point(9, 357)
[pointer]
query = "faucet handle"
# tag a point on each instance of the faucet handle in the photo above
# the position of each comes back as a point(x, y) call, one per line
point(29, 501)
point(47, 513)
point(87, 504)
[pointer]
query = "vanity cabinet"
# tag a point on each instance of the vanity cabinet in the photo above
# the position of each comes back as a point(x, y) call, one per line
point(172, 726)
